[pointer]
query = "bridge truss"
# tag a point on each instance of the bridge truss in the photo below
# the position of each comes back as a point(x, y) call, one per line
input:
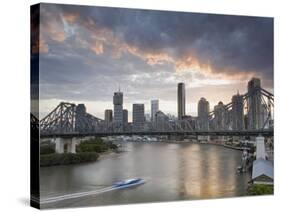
point(65, 119)
point(257, 109)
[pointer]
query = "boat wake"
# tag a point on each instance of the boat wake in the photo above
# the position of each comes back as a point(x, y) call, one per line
point(88, 193)
point(75, 195)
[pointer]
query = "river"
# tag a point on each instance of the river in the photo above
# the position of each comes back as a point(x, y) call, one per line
point(185, 171)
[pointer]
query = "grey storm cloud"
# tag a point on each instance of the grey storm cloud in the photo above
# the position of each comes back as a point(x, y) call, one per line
point(236, 41)
point(230, 45)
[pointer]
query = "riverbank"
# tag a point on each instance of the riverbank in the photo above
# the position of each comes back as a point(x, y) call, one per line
point(67, 158)
point(87, 151)
point(228, 146)
point(212, 143)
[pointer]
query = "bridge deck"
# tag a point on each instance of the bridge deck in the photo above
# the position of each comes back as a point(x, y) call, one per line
point(162, 133)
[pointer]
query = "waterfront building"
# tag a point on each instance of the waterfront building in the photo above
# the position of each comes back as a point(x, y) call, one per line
point(108, 116)
point(237, 112)
point(262, 172)
point(203, 114)
point(181, 100)
point(138, 117)
point(154, 108)
point(254, 105)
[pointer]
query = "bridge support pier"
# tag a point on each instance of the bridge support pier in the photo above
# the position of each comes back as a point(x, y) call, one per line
point(66, 145)
point(59, 145)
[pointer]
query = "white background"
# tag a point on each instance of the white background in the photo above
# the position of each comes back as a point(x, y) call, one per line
point(14, 105)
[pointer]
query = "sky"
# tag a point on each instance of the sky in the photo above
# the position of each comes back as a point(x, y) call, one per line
point(87, 53)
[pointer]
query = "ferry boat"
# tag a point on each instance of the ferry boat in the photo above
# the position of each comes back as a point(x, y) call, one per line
point(128, 183)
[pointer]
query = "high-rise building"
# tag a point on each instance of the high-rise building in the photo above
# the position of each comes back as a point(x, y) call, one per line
point(181, 100)
point(220, 116)
point(118, 107)
point(108, 116)
point(237, 113)
point(79, 118)
point(138, 117)
point(154, 108)
point(125, 117)
point(254, 104)
point(203, 114)
point(161, 121)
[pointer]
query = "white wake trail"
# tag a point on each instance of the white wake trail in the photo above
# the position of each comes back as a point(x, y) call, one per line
point(87, 193)
point(76, 195)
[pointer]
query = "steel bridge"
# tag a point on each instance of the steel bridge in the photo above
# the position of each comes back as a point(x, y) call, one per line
point(68, 119)
point(265, 133)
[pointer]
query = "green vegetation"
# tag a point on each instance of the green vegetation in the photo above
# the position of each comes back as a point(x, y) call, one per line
point(95, 145)
point(259, 189)
point(47, 149)
point(67, 158)
point(87, 151)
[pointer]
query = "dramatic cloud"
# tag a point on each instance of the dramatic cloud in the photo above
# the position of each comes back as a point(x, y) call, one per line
point(87, 52)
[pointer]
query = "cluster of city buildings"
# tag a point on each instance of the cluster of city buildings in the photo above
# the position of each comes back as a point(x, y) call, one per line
point(118, 118)
point(236, 115)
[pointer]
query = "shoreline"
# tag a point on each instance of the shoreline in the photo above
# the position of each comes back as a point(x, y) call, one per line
point(192, 142)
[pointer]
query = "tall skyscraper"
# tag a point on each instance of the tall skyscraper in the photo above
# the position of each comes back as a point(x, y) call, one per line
point(254, 105)
point(138, 117)
point(108, 116)
point(203, 114)
point(118, 107)
point(237, 113)
point(80, 115)
point(220, 116)
point(125, 117)
point(181, 100)
point(154, 108)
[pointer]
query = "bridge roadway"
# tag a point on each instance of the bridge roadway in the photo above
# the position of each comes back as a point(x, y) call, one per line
point(265, 133)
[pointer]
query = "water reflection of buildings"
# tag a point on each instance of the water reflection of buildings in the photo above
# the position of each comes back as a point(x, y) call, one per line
point(207, 174)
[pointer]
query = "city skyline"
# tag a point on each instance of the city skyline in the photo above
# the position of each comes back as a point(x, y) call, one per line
point(85, 56)
point(201, 111)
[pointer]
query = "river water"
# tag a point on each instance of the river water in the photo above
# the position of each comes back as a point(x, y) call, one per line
point(172, 172)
